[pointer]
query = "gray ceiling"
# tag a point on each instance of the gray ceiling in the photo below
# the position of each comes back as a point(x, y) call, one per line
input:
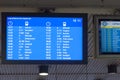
point(60, 3)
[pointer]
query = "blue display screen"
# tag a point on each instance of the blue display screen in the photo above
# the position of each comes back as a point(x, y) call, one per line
point(50, 38)
point(110, 36)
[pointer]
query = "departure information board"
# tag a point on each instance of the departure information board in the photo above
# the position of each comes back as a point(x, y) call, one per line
point(40, 37)
point(110, 36)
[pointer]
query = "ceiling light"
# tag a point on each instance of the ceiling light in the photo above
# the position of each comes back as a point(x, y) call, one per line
point(112, 69)
point(43, 70)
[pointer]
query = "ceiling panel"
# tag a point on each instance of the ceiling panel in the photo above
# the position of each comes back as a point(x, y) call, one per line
point(12, 2)
point(20, 77)
point(35, 3)
point(48, 3)
point(86, 3)
point(111, 2)
point(74, 69)
point(19, 69)
point(60, 3)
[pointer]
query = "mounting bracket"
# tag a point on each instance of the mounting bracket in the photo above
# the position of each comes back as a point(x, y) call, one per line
point(46, 10)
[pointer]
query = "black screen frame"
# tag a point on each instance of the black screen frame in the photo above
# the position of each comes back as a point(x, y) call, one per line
point(16, 14)
point(97, 22)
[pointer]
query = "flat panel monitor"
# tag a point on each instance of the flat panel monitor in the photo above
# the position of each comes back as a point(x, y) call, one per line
point(107, 34)
point(44, 38)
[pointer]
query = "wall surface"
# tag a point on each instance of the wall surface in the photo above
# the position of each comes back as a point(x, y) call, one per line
point(96, 68)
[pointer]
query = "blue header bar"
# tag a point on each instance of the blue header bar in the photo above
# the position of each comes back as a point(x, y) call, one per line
point(44, 21)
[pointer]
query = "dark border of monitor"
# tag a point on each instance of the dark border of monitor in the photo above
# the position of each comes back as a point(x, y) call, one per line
point(82, 15)
point(97, 19)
